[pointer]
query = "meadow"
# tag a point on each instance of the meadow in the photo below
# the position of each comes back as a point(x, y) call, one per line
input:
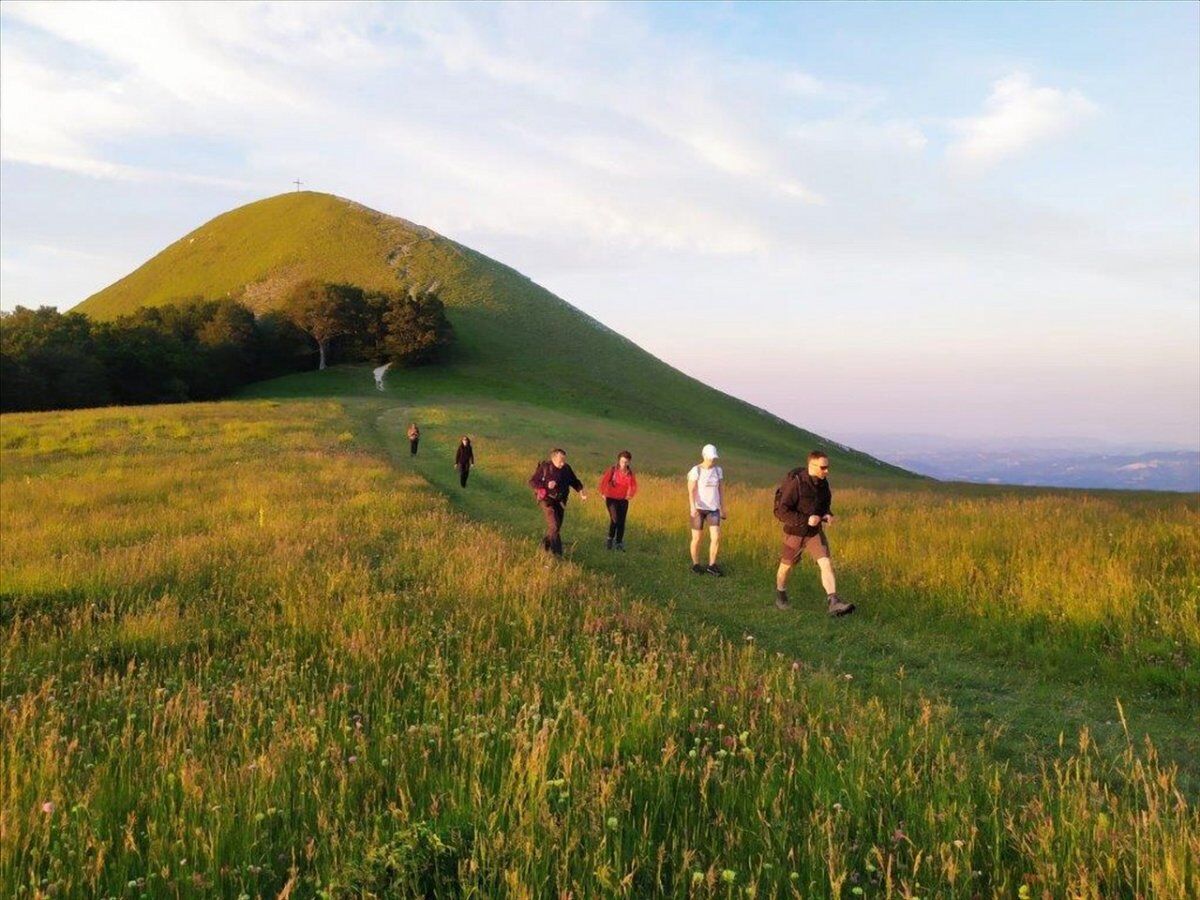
point(252, 649)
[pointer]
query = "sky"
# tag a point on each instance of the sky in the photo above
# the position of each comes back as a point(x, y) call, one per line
point(976, 220)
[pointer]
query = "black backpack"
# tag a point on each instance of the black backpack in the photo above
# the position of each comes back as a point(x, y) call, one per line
point(780, 513)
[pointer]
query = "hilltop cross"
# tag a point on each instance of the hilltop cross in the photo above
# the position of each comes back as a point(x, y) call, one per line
point(297, 183)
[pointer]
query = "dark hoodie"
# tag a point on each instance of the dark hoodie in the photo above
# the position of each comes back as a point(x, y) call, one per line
point(564, 479)
point(803, 496)
point(464, 456)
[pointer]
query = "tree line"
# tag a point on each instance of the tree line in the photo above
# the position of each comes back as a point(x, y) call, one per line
point(204, 349)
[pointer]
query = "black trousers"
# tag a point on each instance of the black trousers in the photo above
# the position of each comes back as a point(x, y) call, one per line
point(554, 512)
point(412, 445)
point(617, 511)
point(463, 472)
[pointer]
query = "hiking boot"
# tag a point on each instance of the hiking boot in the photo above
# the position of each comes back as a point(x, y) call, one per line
point(619, 545)
point(608, 545)
point(781, 600)
point(714, 569)
point(697, 569)
point(839, 607)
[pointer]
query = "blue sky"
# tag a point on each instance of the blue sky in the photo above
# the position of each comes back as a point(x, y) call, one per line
point(972, 219)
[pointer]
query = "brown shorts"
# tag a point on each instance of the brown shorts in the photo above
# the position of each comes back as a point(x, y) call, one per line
point(794, 546)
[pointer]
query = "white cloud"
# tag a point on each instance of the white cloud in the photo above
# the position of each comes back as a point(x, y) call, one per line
point(1017, 115)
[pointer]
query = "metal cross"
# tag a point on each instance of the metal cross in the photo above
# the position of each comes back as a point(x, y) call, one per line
point(297, 183)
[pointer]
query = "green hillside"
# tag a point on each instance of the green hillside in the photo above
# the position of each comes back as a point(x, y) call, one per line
point(516, 340)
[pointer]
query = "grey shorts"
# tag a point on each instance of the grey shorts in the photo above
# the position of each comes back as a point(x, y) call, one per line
point(706, 518)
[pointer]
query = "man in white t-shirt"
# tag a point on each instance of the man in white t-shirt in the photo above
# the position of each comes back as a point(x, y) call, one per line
point(706, 502)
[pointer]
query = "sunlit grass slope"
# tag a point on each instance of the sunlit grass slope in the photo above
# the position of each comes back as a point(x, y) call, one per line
point(246, 654)
point(515, 339)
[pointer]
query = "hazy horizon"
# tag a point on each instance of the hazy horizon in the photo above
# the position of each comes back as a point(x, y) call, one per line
point(974, 221)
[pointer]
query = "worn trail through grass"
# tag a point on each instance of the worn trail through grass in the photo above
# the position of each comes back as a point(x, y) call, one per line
point(1023, 680)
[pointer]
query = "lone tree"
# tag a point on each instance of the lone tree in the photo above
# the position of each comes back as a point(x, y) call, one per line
point(417, 330)
point(325, 311)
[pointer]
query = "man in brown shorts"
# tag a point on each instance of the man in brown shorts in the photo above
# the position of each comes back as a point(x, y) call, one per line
point(803, 504)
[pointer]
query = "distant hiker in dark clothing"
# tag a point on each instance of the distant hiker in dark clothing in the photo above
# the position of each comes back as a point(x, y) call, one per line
point(618, 484)
point(464, 458)
point(414, 438)
point(552, 482)
point(803, 504)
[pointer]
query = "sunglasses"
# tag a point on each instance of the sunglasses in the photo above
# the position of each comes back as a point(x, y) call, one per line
point(823, 468)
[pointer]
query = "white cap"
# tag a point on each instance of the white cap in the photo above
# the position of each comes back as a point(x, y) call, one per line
point(710, 452)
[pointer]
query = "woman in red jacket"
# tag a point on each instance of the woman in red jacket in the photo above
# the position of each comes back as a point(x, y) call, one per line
point(618, 484)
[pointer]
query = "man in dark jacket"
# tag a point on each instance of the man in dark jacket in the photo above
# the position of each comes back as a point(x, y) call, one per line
point(804, 506)
point(552, 482)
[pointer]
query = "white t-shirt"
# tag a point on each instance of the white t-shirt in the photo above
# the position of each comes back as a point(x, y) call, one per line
point(708, 496)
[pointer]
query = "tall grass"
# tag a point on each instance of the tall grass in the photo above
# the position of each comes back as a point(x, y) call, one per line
point(244, 655)
point(1113, 574)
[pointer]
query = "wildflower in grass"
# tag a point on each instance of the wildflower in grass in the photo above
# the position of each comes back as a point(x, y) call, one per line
point(612, 823)
point(1023, 892)
point(795, 876)
point(697, 877)
point(728, 876)
point(352, 759)
point(856, 891)
point(48, 807)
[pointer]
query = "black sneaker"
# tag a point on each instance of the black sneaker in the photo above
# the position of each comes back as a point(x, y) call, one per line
point(839, 607)
point(714, 569)
point(781, 600)
point(619, 545)
point(697, 569)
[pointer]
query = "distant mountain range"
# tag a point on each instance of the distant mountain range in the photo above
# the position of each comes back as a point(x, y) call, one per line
point(1064, 462)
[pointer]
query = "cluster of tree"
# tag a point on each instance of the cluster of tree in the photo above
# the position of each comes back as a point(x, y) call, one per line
point(204, 349)
point(194, 350)
point(406, 329)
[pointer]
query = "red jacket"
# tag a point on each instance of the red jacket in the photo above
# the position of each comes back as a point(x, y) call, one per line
point(618, 485)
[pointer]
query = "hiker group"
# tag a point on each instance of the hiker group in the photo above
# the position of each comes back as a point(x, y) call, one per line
point(803, 506)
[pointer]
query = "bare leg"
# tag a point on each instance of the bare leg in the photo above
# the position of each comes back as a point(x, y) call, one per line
point(714, 544)
point(696, 547)
point(781, 576)
point(827, 579)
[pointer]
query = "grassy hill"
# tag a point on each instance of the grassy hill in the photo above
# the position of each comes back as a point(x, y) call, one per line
point(515, 339)
point(256, 649)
